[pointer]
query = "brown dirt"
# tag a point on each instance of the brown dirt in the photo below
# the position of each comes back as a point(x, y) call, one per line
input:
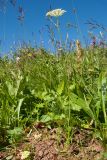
point(45, 144)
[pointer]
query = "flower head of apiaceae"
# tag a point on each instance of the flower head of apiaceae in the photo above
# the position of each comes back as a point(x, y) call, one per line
point(55, 13)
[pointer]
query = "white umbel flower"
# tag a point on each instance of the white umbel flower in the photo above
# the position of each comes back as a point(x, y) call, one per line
point(55, 13)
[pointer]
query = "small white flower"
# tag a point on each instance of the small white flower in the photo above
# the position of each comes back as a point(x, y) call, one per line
point(17, 59)
point(55, 13)
point(25, 154)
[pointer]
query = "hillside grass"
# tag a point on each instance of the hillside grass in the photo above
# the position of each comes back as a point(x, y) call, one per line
point(56, 90)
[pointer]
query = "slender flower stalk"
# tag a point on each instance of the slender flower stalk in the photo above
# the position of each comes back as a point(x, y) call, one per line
point(56, 13)
point(79, 51)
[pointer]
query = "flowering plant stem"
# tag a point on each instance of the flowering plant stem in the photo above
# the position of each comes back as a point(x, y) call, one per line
point(58, 29)
point(57, 25)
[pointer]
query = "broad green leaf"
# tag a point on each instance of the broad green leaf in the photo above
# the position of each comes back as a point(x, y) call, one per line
point(16, 131)
point(46, 118)
point(76, 107)
point(39, 105)
point(11, 89)
point(19, 106)
point(72, 87)
point(60, 88)
point(83, 104)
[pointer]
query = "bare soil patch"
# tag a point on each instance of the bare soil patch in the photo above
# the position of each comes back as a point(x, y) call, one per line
point(49, 144)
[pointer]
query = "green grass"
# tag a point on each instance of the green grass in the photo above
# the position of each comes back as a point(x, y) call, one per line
point(56, 90)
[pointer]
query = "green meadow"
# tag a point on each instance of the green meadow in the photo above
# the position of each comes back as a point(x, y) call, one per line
point(59, 96)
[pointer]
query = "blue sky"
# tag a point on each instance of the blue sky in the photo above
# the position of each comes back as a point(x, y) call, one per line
point(12, 32)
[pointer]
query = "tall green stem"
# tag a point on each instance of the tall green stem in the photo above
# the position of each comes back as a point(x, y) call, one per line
point(58, 29)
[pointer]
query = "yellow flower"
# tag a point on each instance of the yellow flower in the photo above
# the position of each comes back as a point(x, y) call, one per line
point(55, 13)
